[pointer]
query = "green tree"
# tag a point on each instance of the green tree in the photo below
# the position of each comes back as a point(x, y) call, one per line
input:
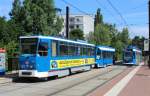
point(98, 18)
point(17, 16)
point(37, 17)
point(138, 41)
point(119, 49)
point(124, 37)
point(4, 35)
point(8, 37)
point(101, 35)
point(76, 34)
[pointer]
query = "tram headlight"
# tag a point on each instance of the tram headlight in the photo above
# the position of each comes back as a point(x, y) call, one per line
point(31, 66)
point(22, 66)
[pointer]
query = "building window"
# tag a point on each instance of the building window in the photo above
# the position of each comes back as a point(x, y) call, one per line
point(77, 26)
point(71, 19)
point(78, 20)
point(71, 27)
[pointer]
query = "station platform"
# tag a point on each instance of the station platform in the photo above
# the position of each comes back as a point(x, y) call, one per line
point(132, 82)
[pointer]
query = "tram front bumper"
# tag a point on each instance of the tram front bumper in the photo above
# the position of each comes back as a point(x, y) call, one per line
point(32, 73)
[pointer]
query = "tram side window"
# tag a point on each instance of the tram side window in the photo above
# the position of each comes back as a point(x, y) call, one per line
point(110, 55)
point(63, 49)
point(71, 50)
point(84, 51)
point(79, 51)
point(92, 51)
point(105, 54)
point(76, 50)
point(54, 48)
point(88, 51)
point(43, 49)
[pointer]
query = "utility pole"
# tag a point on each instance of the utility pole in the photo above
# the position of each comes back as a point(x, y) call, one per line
point(149, 31)
point(67, 22)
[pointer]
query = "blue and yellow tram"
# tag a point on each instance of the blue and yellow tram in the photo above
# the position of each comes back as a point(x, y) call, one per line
point(132, 55)
point(104, 56)
point(45, 56)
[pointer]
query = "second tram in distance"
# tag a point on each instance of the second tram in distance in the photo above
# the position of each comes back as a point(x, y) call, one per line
point(132, 55)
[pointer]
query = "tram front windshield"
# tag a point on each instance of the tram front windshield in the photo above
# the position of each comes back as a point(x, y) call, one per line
point(128, 54)
point(29, 45)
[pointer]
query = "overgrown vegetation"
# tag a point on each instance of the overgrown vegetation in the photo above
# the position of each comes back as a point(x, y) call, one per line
point(31, 17)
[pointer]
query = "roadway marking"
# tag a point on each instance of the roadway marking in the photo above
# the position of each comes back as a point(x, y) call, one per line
point(116, 89)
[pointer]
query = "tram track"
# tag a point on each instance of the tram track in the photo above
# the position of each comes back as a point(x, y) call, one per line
point(86, 80)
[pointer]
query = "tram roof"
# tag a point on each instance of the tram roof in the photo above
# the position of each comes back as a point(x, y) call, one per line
point(137, 50)
point(56, 38)
point(106, 48)
point(134, 48)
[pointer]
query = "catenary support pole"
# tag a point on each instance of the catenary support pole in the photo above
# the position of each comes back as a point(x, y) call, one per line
point(67, 22)
point(149, 31)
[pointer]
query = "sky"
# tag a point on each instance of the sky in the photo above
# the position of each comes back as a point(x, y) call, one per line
point(133, 12)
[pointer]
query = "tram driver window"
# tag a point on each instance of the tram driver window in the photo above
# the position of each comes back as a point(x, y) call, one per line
point(43, 49)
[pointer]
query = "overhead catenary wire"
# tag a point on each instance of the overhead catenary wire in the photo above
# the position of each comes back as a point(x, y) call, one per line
point(117, 11)
point(104, 7)
point(121, 16)
point(134, 24)
point(77, 8)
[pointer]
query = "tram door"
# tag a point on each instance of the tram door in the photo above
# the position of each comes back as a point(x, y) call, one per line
point(43, 63)
point(104, 59)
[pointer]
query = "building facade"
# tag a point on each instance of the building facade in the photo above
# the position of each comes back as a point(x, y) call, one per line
point(83, 22)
